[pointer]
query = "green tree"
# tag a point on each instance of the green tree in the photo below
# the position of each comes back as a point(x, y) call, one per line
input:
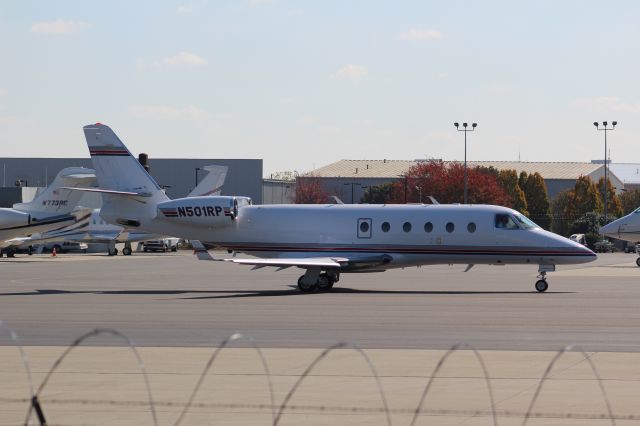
point(614, 207)
point(560, 223)
point(535, 192)
point(509, 181)
point(630, 200)
point(522, 180)
point(583, 199)
point(378, 194)
point(589, 225)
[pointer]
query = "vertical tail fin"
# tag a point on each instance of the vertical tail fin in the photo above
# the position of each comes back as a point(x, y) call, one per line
point(54, 200)
point(118, 170)
point(212, 183)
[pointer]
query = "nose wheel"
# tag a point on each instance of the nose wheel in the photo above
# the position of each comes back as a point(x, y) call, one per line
point(541, 285)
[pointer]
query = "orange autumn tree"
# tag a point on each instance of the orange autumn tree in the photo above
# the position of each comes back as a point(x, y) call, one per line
point(309, 190)
point(445, 182)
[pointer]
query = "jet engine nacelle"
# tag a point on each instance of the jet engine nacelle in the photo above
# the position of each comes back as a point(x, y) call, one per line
point(10, 218)
point(209, 212)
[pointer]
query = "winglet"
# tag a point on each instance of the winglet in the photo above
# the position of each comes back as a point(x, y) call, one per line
point(201, 251)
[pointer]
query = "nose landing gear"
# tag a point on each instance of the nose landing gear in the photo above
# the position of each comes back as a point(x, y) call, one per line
point(541, 284)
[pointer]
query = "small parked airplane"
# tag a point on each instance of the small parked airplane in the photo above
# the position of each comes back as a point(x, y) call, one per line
point(94, 229)
point(626, 228)
point(54, 208)
point(325, 240)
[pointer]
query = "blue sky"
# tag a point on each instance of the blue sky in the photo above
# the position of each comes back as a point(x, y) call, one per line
point(305, 83)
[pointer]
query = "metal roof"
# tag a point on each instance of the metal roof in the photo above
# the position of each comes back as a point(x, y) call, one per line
point(395, 168)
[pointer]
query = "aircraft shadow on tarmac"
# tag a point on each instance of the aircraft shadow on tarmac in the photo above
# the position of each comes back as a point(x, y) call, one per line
point(292, 291)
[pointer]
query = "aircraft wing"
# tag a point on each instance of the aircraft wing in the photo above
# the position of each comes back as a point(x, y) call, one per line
point(337, 262)
point(305, 262)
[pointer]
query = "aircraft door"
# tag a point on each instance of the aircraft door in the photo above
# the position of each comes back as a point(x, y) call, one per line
point(364, 228)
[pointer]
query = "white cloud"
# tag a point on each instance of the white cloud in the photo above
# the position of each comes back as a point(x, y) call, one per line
point(168, 112)
point(421, 34)
point(184, 59)
point(3, 92)
point(606, 103)
point(184, 8)
point(59, 27)
point(350, 72)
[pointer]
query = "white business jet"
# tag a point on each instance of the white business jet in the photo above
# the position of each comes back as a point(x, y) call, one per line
point(325, 240)
point(54, 208)
point(95, 230)
point(626, 228)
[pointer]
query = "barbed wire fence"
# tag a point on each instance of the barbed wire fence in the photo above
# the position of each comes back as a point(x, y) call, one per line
point(36, 407)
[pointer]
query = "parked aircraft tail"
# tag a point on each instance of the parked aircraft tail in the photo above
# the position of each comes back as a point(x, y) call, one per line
point(212, 183)
point(129, 193)
point(56, 199)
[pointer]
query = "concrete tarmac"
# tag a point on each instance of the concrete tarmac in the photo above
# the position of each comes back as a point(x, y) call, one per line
point(174, 300)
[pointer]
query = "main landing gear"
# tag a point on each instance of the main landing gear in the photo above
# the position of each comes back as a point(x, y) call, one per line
point(541, 284)
point(314, 280)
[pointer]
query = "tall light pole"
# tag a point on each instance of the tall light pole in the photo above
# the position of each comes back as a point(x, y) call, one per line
point(465, 129)
point(605, 129)
point(197, 170)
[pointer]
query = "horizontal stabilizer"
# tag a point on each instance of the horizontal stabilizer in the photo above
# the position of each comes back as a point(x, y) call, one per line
point(111, 192)
point(201, 251)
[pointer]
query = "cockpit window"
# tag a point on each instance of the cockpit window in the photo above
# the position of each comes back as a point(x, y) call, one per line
point(525, 222)
point(637, 210)
point(505, 221)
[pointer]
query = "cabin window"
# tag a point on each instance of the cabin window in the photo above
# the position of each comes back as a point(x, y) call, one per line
point(406, 227)
point(471, 227)
point(385, 227)
point(364, 226)
point(505, 221)
point(450, 227)
point(428, 227)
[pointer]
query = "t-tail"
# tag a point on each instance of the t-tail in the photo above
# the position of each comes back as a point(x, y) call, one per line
point(212, 183)
point(58, 198)
point(129, 194)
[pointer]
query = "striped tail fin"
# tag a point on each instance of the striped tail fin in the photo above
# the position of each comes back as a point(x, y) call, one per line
point(117, 170)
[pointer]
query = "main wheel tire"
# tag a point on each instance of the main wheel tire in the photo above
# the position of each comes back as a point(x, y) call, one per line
point(111, 252)
point(306, 288)
point(638, 261)
point(126, 251)
point(325, 282)
point(541, 286)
